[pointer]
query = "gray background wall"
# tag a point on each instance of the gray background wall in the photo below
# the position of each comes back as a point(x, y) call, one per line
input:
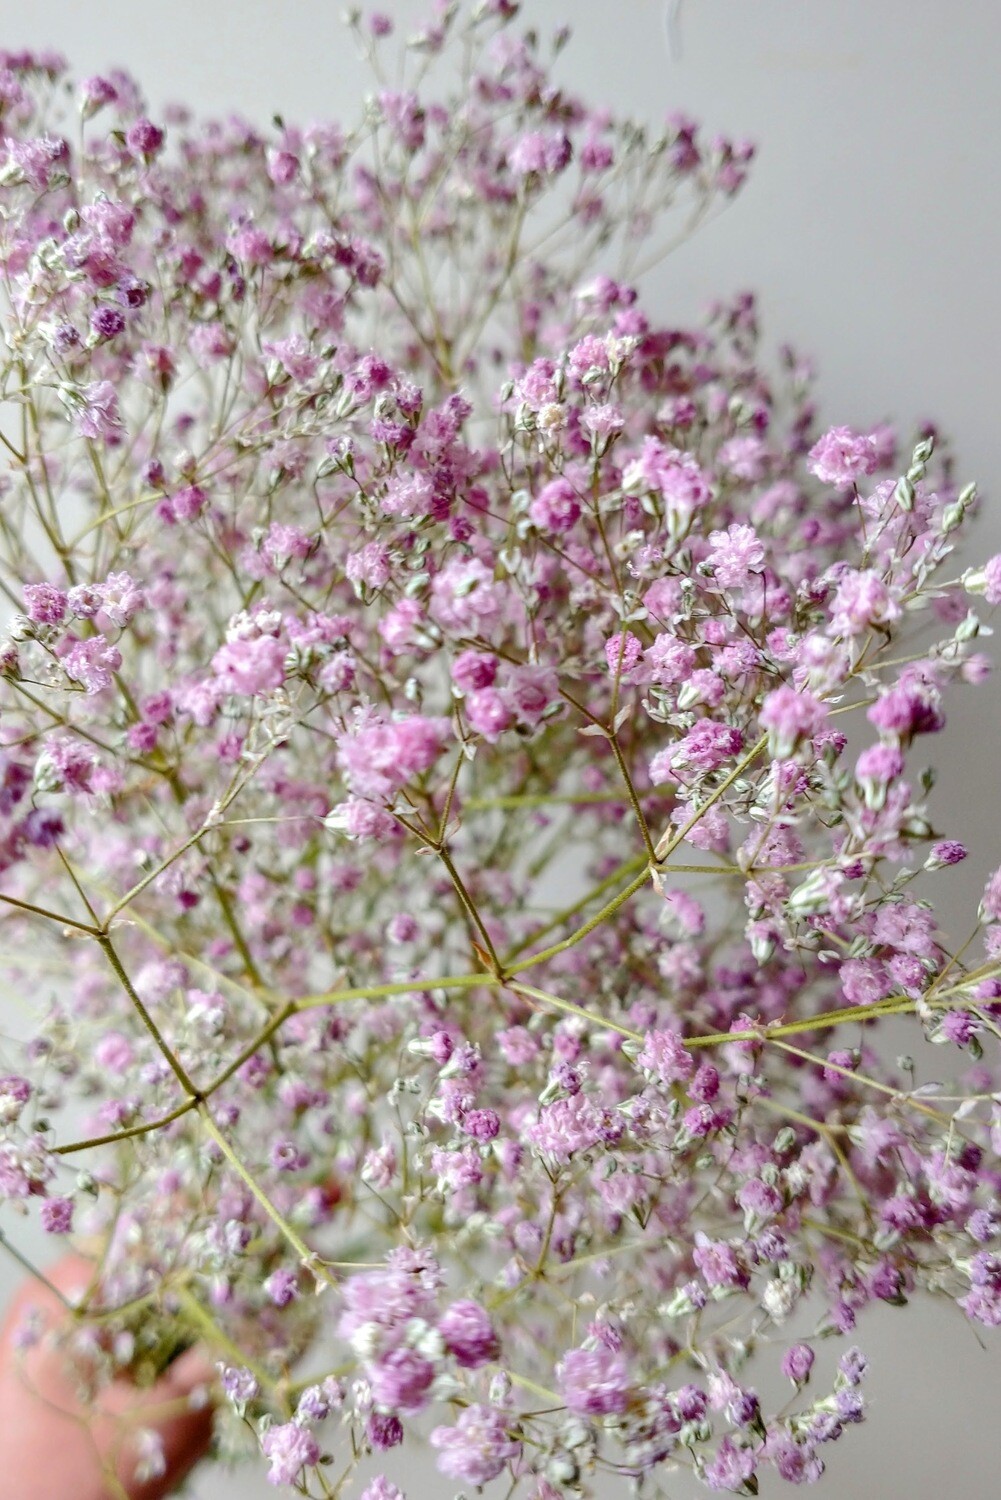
point(871, 229)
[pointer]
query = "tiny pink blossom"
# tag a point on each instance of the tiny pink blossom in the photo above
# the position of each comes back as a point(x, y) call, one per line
point(478, 1448)
point(92, 663)
point(992, 573)
point(469, 1335)
point(488, 713)
point(98, 416)
point(289, 1449)
point(674, 475)
point(863, 601)
point(594, 1382)
point(249, 667)
point(556, 507)
point(735, 554)
point(842, 456)
point(539, 152)
point(622, 652)
point(45, 603)
point(789, 718)
point(665, 1057)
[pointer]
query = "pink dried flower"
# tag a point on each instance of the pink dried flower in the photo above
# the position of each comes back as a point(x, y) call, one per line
point(381, 1488)
point(790, 717)
point(672, 474)
point(734, 555)
point(841, 456)
point(478, 1448)
point(469, 1335)
point(401, 1379)
point(97, 416)
point(594, 1382)
point(556, 507)
point(57, 1215)
point(862, 602)
point(386, 565)
point(248, 667)
point(665, 1057)
point(143, 138)
point(44, 603)
point(92, 663)
point(289, 1449)
point(539, 152)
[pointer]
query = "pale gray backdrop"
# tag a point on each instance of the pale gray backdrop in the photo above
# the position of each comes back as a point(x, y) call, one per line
point(871, 230)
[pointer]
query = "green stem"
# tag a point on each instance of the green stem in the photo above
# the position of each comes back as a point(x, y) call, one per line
point(826, 1019)
point(575, 1010)
point(33, 1271)
point(277, 1021)
point(229, 917)
point(626, 868)
point(470, 906)
point(146, 1128)
point(208, 1329)
point(668, 843)
point(176, 1066)
point(51, 916)
point(634, 801)
point(398, 987)
point(589, 926)
point(307, 1256)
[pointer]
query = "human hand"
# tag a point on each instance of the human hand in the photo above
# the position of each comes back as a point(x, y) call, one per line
point(52, 1448)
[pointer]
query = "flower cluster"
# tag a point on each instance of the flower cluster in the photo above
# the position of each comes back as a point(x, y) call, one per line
point(457, 770)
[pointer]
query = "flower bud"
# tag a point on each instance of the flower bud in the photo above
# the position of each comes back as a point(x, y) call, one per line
point(904, 493)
